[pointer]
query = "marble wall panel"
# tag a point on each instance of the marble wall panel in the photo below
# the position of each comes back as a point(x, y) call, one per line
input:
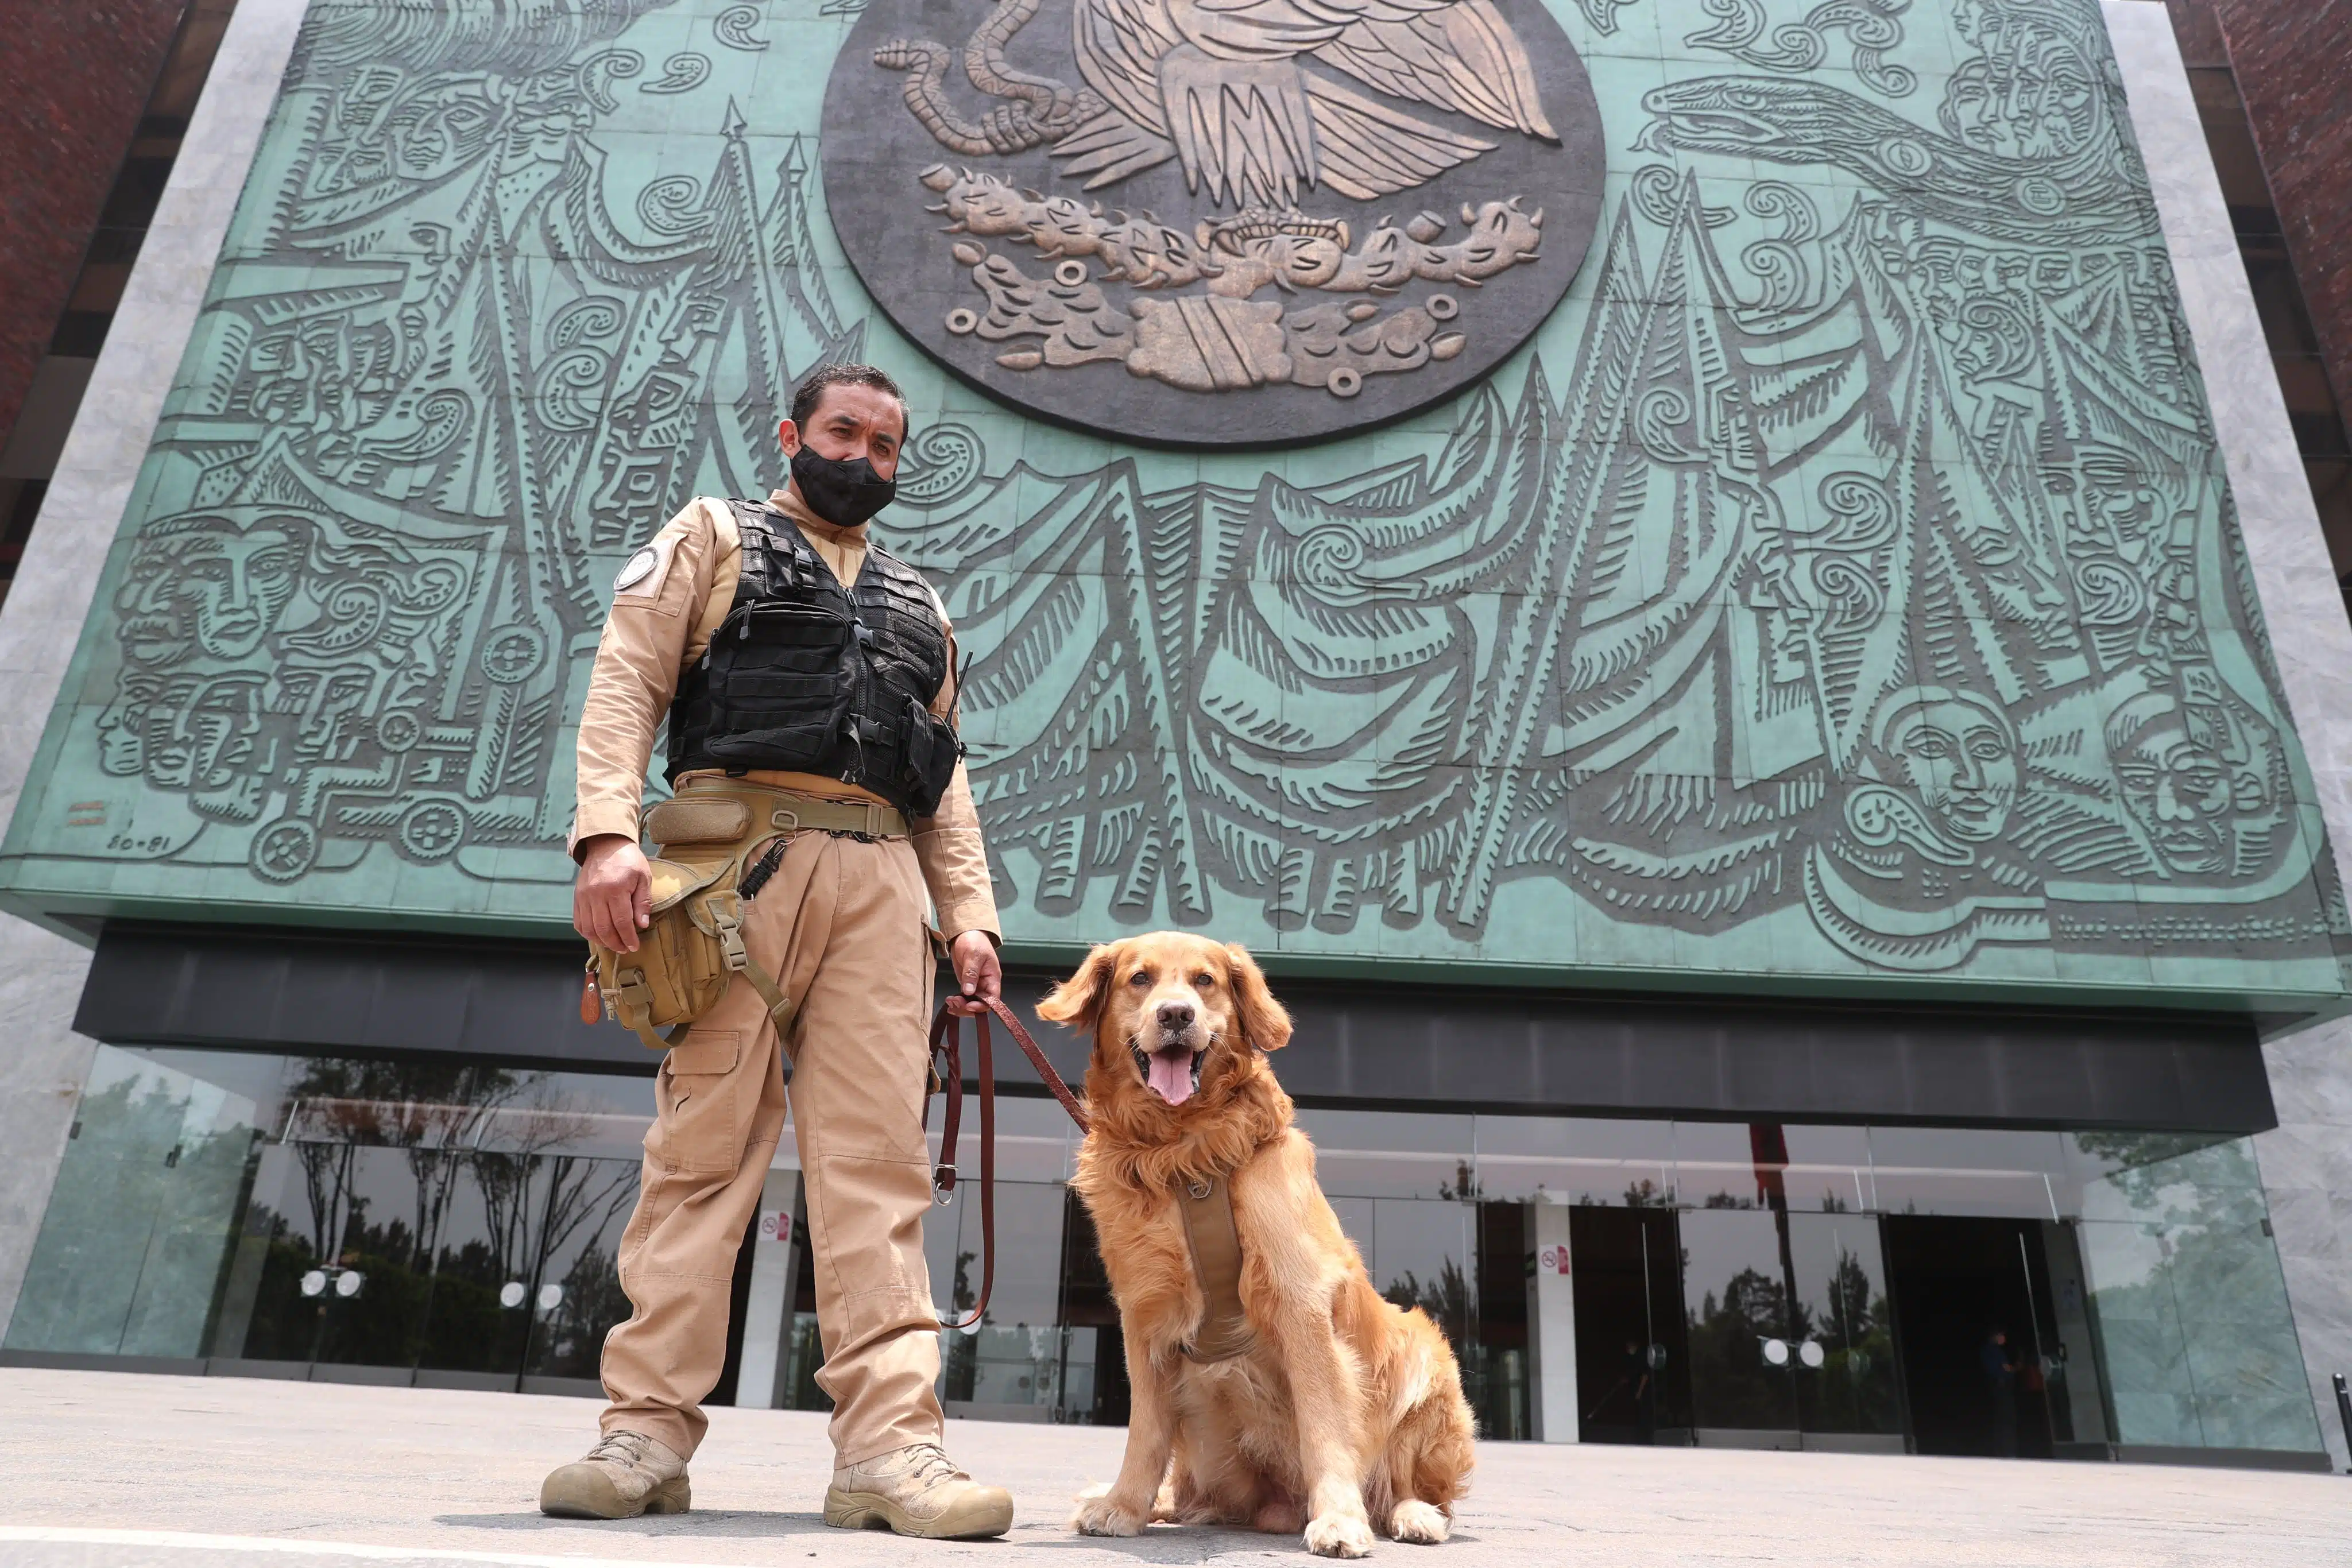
point(2307, 1184)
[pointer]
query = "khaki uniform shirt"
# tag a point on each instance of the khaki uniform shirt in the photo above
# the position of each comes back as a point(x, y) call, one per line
point(659, 627)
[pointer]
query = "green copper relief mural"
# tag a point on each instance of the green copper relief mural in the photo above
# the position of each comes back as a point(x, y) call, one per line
point(1841, 581)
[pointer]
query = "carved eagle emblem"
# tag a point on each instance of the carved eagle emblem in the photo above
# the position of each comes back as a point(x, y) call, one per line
point(1258, 98)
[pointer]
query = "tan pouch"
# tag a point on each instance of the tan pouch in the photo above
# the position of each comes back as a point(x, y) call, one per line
point(697, 820)
point(689, 953)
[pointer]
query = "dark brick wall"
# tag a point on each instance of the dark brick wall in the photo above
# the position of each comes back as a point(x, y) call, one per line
point(2293, 64)
point(74, 80)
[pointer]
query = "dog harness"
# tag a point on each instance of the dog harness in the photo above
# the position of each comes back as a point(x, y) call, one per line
point(1216, 1243)
point(1204, 1204)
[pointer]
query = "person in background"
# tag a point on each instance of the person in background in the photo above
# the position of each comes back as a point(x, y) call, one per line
point(2000, 1369)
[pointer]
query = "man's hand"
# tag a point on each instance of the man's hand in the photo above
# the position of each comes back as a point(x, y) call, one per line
point(977, 972)
point(612, 900)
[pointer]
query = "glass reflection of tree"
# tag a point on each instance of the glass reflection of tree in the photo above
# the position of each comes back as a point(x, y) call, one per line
point(342, 1109)
point(426, 1295)
point(1733, 1384)
point(138, 1229)
point(963, 1370)
point(535, 1201)
point(2176, 1178)
point(2202, 1282)
point(1447, 1299)
point(571, 1342)
point(1854, 1390)
point(584, 1196)
point(421, 1108)
point(1451, 1302)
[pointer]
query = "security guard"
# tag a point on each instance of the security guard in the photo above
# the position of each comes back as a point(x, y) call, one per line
point(736, 624)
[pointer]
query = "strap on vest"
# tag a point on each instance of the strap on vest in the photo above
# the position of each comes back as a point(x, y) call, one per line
point(1215, 1244)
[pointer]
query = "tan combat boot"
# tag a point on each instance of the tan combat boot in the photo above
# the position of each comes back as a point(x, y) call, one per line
point(916, 1490)
point(624, 1475)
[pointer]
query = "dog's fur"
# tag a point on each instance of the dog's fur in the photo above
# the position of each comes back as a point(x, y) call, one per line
point(1347, 1415)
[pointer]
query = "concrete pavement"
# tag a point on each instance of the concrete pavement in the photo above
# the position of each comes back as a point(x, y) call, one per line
point(119, 1470)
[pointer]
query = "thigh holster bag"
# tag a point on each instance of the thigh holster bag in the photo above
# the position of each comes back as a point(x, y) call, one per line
point(806, 676)
point(692, 948)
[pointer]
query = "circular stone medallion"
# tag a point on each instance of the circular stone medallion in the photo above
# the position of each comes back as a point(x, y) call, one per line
point(1264, 223)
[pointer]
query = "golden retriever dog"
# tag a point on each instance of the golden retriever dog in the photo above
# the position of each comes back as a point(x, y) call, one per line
point(1346, 1416)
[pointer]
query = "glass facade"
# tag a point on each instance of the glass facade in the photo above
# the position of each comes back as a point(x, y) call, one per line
point(1959, 1290)
point(455, 1223)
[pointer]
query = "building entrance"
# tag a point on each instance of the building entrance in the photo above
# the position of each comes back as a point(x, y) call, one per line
point(1983, 1355)
point(1790, 1330)
point(1633, 1364)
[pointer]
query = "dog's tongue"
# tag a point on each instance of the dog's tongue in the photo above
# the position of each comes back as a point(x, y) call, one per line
point(1171, 1076)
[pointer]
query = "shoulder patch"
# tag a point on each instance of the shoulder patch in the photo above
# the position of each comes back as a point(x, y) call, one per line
point(638, 568)
point(642, 574)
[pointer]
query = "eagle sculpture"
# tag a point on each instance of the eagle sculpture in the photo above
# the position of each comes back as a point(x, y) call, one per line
point(1247, 95)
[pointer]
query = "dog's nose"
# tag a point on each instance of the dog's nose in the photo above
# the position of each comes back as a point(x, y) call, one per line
point(1175, 1016)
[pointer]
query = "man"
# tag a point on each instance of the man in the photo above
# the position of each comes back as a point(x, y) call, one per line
point(736, 622)
point(2001, 1370)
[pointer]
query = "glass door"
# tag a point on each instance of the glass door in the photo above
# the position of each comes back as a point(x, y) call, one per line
point(1842, 1328)
point(479, 1316)
point(1633, 1363)
point(1743, 1352)
point(576, 1288)
point(1011, 1362)
point(343, 1264)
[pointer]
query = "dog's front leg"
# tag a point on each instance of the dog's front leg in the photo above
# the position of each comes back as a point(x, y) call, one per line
point(1126, 1507)
point(1324, 1394)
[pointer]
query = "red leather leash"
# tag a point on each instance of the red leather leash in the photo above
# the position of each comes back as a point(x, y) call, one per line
point(947, 1057)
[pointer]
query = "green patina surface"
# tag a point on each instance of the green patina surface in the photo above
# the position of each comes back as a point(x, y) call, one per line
point(1839, 590)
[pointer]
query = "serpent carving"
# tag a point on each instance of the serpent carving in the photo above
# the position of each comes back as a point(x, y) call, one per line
point(1041, 110)
point(2092, 192)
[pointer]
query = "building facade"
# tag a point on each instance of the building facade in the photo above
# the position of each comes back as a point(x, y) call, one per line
point(1711, 589)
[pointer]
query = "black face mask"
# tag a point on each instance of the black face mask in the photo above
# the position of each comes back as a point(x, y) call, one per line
point(844, 494)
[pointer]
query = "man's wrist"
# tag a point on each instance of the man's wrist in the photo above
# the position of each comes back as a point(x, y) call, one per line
point(598, 843)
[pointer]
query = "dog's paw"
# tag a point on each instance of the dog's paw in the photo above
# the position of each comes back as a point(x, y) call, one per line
point(1099, 1513)
point(1418, 1521)
point(1336, 1535)
point(1164, 1510)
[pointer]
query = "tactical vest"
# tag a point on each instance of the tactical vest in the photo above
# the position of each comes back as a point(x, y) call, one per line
point(805, 676)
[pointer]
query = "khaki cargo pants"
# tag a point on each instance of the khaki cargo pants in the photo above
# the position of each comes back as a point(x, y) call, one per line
point(841, 926)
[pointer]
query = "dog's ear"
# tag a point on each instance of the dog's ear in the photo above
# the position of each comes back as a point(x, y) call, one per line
point(1078, 1001)
point(1264, 1022)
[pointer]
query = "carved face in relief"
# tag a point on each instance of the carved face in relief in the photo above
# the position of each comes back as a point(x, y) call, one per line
point(2121, 506)
point(208, 586)
point(437, 132)
point(208, 745)
point(2030, 94)
point(1959, 757)
point(122, 725)
point(235, 583)
point(2179, 785)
